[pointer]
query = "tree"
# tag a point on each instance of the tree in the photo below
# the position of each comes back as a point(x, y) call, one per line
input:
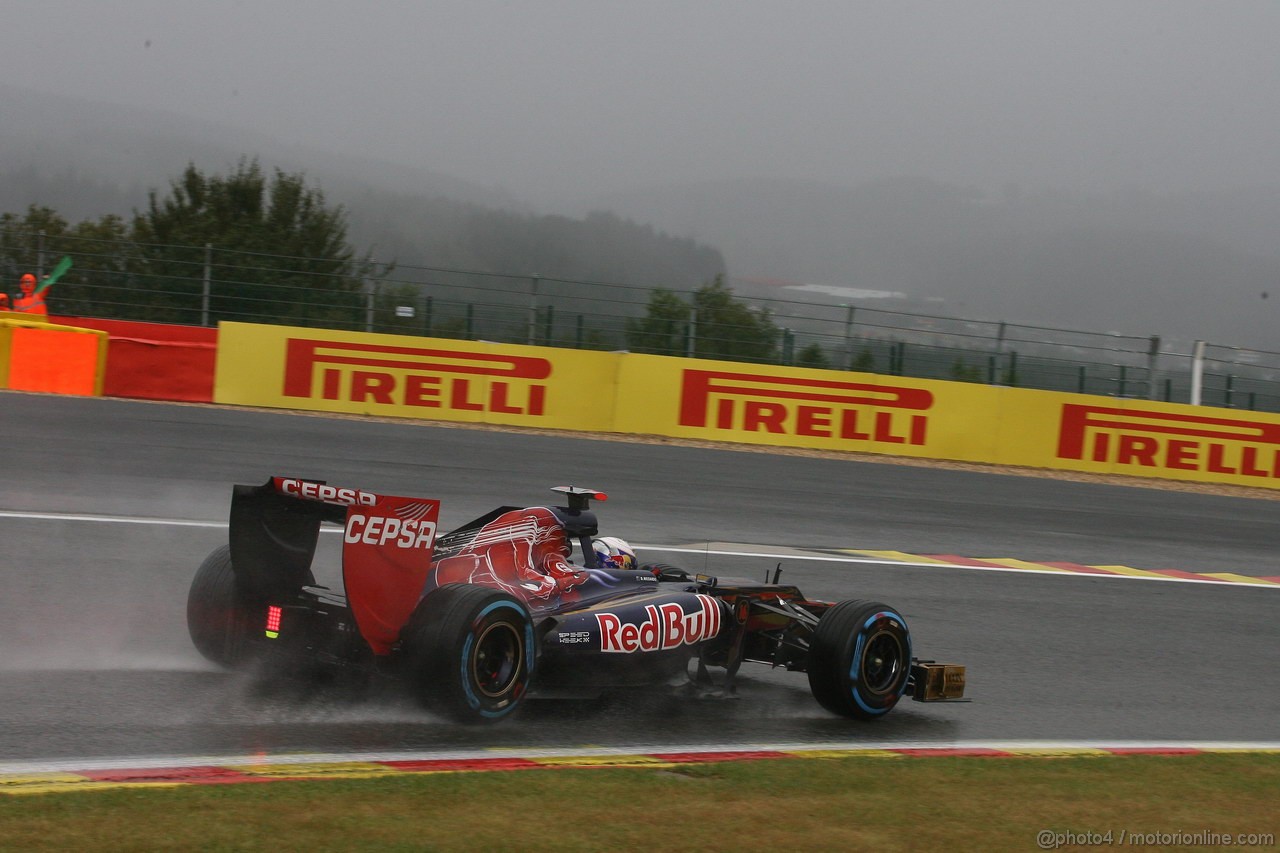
point(865, 362)
point(721, 326)
point(664, 327)
point(278, 251)
point(102, 256)
point(962, 371)
point(729, 329)
point(813, 356)
point(21, 241)
point(102, 279)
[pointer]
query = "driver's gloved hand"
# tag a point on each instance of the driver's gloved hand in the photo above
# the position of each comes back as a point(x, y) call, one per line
point(663, 572)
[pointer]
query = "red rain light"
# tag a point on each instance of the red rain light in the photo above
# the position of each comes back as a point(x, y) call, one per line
point(273, 621)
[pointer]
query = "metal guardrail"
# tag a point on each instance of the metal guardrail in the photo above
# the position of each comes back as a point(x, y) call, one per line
point(202, 285)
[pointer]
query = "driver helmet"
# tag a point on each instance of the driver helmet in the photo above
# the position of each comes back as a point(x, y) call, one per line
point(613, 553)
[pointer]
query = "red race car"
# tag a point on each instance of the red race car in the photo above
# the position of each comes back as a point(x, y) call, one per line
point(476, 619)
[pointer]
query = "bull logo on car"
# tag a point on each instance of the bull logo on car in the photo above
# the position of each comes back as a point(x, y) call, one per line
point(523, 551)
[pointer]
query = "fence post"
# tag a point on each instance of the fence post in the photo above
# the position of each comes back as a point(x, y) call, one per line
point(848, 338)
point(788, 346)
point(368, 305)
point(548, 324)
point(206, 285)
point(691, 333)
point(40, 254)
point(999, 380)
point(1197, 372)
point(471, 321)
point(532, 331)
point(427, 307)
point(1153, 356)
point(897, 357)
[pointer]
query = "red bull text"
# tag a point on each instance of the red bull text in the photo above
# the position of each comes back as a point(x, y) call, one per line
point(666, 626)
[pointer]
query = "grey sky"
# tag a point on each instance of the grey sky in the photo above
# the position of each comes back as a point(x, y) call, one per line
point(562, 98)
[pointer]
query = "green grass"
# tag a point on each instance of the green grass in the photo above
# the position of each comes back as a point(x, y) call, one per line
point(812, 804)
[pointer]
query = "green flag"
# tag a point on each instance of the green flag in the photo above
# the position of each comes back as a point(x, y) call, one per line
point(58, 272)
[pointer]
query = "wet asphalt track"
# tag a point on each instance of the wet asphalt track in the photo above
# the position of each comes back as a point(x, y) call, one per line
point(95, 662)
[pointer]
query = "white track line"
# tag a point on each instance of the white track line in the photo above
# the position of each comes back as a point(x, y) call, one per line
point(930, 565)
point(822, 558)
point(110, 519)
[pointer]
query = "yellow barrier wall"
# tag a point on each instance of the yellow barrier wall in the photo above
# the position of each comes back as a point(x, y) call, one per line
point(723, 401)
point(400, 376)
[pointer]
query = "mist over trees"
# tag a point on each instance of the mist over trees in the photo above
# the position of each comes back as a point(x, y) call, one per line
point(282, 252)
point(395, 214)
point(387, 227)
point(711, 324)
point(434, 231)
point(291, 256)
point(1184, 266)
point(1189, 265)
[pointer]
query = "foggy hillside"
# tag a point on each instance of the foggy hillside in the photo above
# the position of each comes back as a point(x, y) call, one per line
point(1181, 265)
point(135, 149)
point(1189, 265)
point(411, 216)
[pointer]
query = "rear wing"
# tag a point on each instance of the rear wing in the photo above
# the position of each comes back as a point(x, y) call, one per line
point(387, 547)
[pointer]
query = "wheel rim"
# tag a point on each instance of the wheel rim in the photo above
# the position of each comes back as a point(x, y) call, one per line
point(495, 665)
point(881, 663)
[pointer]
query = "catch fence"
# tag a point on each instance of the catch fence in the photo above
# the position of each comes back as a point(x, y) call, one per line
point(201, 285)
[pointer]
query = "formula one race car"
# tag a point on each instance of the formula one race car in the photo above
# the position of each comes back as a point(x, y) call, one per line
point(476, 619)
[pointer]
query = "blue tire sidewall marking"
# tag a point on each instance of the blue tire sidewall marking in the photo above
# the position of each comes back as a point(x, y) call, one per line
point(472, 699)
point(857, 659)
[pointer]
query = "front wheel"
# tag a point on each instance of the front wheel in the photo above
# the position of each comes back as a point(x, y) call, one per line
point(859, 659)
point(470, 652)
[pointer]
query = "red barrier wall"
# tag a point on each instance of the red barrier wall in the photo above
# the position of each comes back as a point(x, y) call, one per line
point(155, 361)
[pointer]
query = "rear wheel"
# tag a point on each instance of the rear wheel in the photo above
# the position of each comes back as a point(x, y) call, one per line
point(470, 652)
point(859, 659)
point(218, 615)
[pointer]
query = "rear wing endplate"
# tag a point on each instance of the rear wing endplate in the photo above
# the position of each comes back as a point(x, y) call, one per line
point(387, 546)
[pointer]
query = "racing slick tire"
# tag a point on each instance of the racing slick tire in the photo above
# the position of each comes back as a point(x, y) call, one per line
point(859, 659)
point(471, 652)
point(218, 616)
